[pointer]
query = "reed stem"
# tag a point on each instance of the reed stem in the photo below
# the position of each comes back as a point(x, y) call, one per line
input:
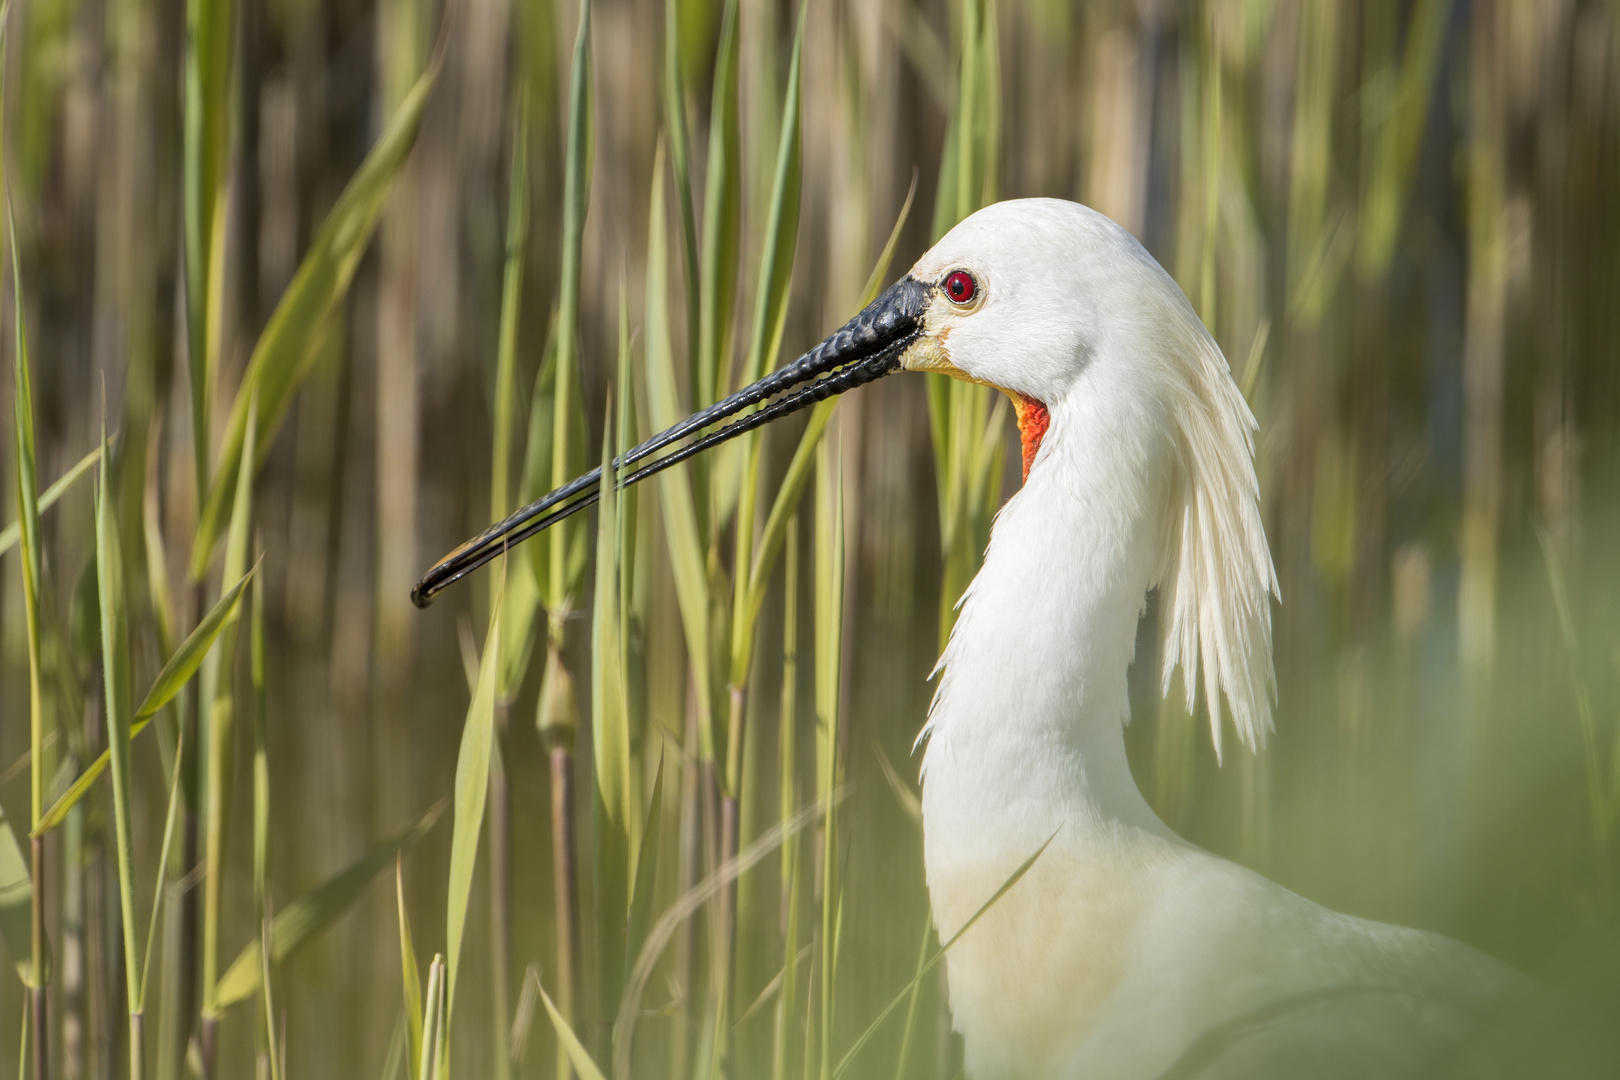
point(565, 875)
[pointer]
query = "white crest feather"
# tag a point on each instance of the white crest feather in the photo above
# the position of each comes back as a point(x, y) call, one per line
point(1217, 583)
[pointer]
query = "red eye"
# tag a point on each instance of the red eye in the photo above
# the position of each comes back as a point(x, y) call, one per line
point(960, 286)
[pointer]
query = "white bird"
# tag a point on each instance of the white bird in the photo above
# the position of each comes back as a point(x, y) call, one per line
point(1125, 952)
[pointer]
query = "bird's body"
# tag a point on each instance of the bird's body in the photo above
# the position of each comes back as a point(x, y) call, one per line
point(1126, 951)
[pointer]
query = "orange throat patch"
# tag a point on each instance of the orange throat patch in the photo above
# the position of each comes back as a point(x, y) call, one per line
point(1033, 420)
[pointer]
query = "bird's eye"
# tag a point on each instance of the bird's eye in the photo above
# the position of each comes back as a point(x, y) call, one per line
point(960, 286)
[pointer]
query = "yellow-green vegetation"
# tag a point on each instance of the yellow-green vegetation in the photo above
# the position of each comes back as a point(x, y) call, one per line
point(682, 821)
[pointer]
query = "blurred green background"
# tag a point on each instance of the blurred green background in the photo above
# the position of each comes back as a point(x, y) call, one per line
point(1400, 218)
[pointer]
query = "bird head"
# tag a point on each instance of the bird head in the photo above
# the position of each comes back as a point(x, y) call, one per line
point(1048, 302)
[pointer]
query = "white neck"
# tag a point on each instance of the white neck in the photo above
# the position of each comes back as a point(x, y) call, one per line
point(1026, 730)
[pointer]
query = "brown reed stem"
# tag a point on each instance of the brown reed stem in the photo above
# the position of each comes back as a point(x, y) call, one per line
point(499, 885)
point(37, 1010)
point(565, 875)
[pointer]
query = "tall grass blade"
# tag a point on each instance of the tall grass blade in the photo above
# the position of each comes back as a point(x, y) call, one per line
point(517, 235)
point(646, 879)
point(432, 1022)
point(262, 903)
point(770, 316)
point(472, 789)
point(216, 742)
point(289, 345)
point(311, 914)
point(11, 534)
point(563, 577)
point(116, 695)
point(207, 110)
point(722, 218)
point(682, 531)
point(782, 225)
point(610, 736)
point(33, 563)
point(680, 161)
point(171, 816)
point(408, 970)
point(829, 630)
point(787, 794)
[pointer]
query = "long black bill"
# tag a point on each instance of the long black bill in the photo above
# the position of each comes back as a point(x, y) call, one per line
point(865, 349)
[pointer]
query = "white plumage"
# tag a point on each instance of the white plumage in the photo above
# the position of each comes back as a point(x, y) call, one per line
point(1126, 951)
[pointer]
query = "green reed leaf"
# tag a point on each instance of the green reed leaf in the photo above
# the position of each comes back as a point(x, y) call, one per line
point(206, 147)
point(680, 161)
point(517, 235)
point(781, 227)
point(27, 475)
point(522, 593)
point(610, 738)
point(311, 914)
point(646, 878)
point(47, 499)
point(171, 816)
point(291, 339)
point(722, 218)
point(169, 682)
point(563, 576)
point(770, 315)
point(115, 677)
point(681, 529)
point(472, 791)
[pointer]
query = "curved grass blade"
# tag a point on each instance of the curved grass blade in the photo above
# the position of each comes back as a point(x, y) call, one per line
point(169, 682)
point(581, 1060)
point(47, 499)
point(302, 920)
point(683, 908)
point(924, 969)
point(291, 338)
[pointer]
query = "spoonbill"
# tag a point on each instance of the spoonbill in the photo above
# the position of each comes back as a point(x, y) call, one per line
point(1125, 951)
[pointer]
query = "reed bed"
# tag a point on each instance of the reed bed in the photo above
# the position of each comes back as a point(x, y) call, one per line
point(303, 294)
